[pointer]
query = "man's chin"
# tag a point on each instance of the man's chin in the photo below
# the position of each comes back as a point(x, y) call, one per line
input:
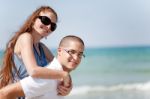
point(70, 68)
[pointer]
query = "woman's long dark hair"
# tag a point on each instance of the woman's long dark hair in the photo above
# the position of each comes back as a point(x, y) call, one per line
point(8, 63)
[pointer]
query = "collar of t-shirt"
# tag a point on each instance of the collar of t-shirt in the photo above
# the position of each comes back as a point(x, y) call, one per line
point(55, 65)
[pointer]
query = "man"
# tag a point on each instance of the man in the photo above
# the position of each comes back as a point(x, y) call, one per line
point(69, 55)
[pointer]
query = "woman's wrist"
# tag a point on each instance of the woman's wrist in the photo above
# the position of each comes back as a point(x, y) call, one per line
point(66, 79)
point(65, 74)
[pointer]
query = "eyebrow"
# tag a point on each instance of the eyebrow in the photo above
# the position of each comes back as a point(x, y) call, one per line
point(76, 50)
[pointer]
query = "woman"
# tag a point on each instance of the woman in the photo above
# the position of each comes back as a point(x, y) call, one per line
point(26, 55)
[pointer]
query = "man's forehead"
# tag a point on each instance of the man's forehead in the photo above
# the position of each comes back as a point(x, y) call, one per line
point(78, 49)
point(76, 45)
point(74, 42)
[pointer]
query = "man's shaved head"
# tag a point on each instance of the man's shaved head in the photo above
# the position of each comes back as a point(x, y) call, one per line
point(67, 39)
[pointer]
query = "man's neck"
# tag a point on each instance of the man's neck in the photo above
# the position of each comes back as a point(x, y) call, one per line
point(66, 69)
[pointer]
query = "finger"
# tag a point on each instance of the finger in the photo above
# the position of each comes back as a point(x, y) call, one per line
point(63, 91)
point(69, 86)
point(62, 88)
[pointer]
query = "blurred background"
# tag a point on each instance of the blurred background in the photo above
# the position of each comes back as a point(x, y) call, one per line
point(117, 38)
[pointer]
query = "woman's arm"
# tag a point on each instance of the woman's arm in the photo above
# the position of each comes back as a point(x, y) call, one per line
point(26, 52)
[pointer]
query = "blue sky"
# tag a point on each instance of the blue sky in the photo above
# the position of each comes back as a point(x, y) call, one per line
point(100, 23)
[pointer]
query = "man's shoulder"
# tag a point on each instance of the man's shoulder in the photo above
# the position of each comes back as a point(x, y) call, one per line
point(55, 64)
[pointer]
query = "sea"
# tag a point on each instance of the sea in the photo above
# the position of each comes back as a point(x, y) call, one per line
point(112, 73)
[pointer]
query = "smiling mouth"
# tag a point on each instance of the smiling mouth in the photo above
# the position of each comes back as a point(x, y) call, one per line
point(74, 63)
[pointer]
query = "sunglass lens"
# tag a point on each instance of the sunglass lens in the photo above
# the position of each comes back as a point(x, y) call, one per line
point(53, 26)
point(45, 20)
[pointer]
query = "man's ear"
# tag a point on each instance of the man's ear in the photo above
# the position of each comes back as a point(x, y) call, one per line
point(59, 50)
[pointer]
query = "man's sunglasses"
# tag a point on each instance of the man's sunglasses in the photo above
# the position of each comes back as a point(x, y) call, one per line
point(47, 21)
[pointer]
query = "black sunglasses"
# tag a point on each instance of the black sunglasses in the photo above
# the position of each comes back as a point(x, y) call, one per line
point(47, 21)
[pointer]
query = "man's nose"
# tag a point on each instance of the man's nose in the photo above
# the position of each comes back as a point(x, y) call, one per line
point(76, 57)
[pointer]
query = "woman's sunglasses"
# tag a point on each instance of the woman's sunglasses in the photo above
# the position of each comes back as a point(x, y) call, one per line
point(47, 21)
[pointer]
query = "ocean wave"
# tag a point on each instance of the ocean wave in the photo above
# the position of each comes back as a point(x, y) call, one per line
point(79, 90)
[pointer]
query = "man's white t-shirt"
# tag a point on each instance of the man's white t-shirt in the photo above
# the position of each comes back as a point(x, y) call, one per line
point(35, 88)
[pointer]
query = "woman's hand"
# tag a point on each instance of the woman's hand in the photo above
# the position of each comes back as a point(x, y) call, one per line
point(65, 86)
